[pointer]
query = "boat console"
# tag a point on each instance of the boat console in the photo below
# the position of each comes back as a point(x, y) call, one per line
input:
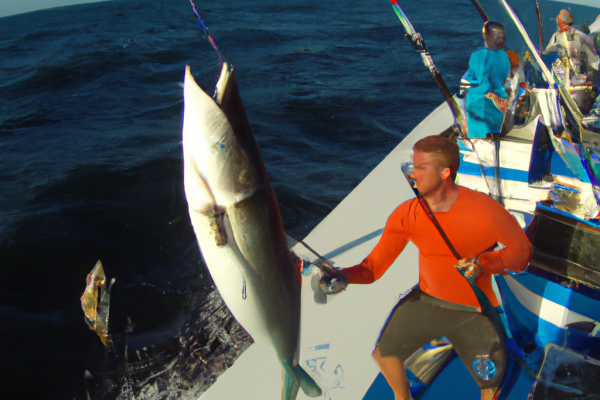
point(565, 245)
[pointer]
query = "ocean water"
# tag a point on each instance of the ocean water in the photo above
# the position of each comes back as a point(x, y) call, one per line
point(91, 166)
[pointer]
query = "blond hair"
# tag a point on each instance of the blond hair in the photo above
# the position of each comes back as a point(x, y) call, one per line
point(443, 149)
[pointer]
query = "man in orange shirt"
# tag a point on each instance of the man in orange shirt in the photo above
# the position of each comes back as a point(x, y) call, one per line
point(443, 303)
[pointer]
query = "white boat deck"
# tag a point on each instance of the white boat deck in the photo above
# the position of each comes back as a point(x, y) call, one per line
point(337, 338)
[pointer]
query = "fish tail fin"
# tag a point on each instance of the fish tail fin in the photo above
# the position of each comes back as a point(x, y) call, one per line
point(307, 383)
point(294, 378)
point(291, 383)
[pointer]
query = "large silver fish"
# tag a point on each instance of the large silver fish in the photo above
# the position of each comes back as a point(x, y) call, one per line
point(238, 225)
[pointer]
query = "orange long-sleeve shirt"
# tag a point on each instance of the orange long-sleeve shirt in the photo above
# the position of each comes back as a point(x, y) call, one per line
point(474, 223)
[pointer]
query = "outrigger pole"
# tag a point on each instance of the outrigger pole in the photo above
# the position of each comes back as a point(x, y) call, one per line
point(417, 42)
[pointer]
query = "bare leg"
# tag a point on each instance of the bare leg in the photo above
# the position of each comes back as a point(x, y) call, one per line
point(487, 394)
point(393, 370)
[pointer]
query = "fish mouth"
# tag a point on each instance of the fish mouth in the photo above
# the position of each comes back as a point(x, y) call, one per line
point(221, 87)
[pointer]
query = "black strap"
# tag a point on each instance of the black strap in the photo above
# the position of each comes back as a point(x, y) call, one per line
point(487, 308)
point(437, 225)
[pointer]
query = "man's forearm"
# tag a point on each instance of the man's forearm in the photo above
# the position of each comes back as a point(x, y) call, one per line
point(358, 274)
point(494, 263)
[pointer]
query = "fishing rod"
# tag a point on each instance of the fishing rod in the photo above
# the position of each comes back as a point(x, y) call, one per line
point(204, 29)
point(303, 243)
point(539, 17)
point(552, 83)
point(417, 42)
point(513, 15)
point(331, 280)
point(480, 10)
point(570, 105)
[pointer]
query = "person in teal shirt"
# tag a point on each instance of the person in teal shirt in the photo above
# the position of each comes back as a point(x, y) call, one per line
point(487, 97)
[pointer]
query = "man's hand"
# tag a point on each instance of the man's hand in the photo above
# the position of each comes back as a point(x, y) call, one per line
point(331, 280)
point(470, 268)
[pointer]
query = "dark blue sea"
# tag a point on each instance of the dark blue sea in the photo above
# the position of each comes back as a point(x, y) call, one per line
point(91, 166)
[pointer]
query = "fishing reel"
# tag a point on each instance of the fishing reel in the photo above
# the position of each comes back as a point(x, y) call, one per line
point(331, 280)
point(469, 268)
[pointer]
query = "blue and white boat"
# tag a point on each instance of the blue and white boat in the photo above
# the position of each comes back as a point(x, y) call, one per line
point(546, 174)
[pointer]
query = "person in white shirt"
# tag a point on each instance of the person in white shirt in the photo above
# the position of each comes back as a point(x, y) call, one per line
point(577, 54)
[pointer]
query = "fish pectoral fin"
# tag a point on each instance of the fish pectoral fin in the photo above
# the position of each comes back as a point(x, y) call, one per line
point(202, 200)
point(295, 377)
point(218, 227)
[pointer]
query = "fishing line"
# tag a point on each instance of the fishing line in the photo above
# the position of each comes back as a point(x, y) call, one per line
point(204, 29)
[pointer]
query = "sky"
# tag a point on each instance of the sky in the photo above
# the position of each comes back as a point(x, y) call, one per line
point(591, 3)
point(12, 7)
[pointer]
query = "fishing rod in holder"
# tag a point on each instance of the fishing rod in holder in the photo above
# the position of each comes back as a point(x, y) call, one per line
point(539, 17)
point(418, 43)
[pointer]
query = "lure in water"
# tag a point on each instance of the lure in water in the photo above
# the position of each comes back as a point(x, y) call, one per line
point(95, 302)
